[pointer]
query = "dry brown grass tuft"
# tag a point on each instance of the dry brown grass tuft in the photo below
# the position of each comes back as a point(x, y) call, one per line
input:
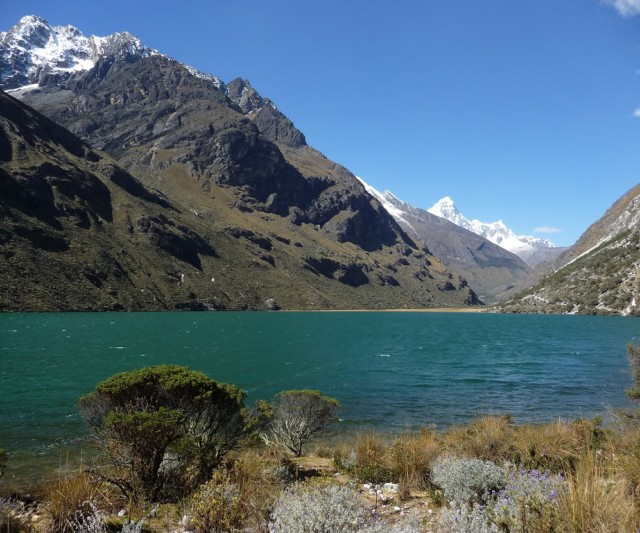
point(489, 438)
point(259, 486)
point(410, 457)
point(558, 446)
point(597, 501)
point(371, 458)
point(69, 494)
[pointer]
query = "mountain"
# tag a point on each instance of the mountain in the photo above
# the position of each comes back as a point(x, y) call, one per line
point(282, 223)
point(493, 272)
point(531, 249)
point(600, 274)
point(35, 53)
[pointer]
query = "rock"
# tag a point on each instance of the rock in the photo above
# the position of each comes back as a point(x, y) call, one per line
point(272, 305)
point(390, 487)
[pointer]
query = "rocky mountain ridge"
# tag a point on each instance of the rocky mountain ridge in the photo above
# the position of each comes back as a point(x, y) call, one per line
point(287, 225)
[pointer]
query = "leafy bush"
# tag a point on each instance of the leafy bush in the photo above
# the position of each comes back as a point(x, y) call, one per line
point(464, 519)
point(163, 422)
point(217, 507)
point(298, 417)
point(466, 481)
point(319, 509)
point(408, 525)
point(529, 502)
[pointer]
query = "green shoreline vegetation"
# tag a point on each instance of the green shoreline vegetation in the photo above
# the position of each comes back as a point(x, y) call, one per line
point(181, 452)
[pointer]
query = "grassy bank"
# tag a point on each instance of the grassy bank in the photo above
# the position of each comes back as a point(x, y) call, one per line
point(490, 475)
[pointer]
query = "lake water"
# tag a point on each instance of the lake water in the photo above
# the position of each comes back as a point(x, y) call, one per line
point(390, 371)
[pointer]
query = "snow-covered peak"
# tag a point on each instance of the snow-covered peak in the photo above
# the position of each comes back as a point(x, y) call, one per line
point(446, 208)
point(496, 232)
point(386, 199)
point(33, 49)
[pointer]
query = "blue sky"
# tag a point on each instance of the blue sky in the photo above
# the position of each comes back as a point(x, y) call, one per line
point(518, 109)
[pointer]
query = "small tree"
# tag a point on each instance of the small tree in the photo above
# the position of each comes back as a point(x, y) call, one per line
point(299, 416)
point(633, 353)
point(165, 418)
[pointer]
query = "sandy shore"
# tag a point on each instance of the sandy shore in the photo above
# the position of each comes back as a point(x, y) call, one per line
point(428, 310)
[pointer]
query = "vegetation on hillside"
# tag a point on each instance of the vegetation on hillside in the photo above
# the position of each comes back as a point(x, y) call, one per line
point(603, 282)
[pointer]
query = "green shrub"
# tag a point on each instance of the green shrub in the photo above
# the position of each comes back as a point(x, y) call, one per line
point(163, 425)
point(217, 506)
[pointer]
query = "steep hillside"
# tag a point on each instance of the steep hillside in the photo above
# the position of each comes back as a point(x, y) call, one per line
point(599, 274)
point(492, 272)
point(78, 232)
point(287, 225)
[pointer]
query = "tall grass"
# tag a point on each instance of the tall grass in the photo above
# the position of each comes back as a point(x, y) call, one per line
point(597, 501)
point(410, 457)
point(70, 496)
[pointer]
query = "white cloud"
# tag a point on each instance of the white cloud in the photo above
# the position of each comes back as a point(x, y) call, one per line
point(636, 113)
point(627, 8)
point(546, 229)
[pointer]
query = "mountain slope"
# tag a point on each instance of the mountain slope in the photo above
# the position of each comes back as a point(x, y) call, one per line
point(600, 274)
point(285, 222)
point(493, 272)
point(531, 249)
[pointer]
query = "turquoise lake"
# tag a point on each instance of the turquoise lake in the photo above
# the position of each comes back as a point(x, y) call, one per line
point(390, 371)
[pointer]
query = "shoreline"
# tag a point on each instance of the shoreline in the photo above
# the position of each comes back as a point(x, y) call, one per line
point(418, 310)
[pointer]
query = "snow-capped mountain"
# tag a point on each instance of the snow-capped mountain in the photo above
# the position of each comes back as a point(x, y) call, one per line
point(493, 272)
point(33, 50)
point(496, 232)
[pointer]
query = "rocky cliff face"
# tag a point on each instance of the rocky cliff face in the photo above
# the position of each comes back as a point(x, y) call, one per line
point(262, 215)
point(600, 274)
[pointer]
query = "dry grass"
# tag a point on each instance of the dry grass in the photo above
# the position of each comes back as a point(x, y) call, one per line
point(410, 457)
point(258, 485)
point(597, 501)
point(558, 446)
point(69, 494)
point(371, 458)
point(602, 469)
point(489, 438)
